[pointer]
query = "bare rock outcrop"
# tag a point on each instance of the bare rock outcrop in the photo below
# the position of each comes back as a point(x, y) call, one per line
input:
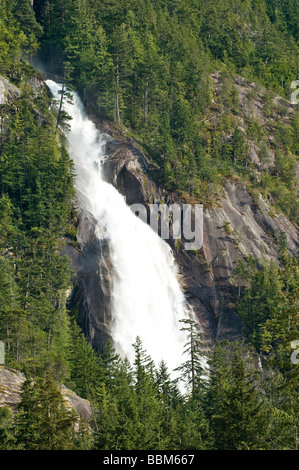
point(11, 382)
point(10, 386)
point(91, 282)
point(8, 92)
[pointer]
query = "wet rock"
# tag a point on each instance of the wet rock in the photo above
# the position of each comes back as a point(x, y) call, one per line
point(92, 273)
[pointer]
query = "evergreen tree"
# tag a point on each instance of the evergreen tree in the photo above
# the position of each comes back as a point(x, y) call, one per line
point(107, 420)
point(192, 371)
point(43, 422)
point(127, 404)
point(171, 403)
point(236, 407)
point(7, 439)
point(26, 18)
point(281, 390)
point(148, 405)
point(85, 370)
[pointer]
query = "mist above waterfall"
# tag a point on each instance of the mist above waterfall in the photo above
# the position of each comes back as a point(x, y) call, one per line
point(147, 300)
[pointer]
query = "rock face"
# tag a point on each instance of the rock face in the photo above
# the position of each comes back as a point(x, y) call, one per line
point(73, 401)
point(8, 92)
point(11, 382)
point(91, 292)
point(10, 386)
point(237, 227)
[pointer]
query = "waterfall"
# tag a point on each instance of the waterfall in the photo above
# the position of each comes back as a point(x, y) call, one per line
point(146, 299)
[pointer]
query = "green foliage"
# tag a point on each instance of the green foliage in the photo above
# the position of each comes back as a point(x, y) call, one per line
point(85, 370)
point(149, 66)
point(281, 390)
point(150, 72)
point(18, 36)
point(36, 184)
point(26, 19)
point(269, 307)
point(236, 409)
point(7, 438)
point(43, 422)
point(192, 369)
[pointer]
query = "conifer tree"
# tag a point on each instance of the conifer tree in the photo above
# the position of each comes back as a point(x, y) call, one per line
point(127, 403)
point(107, 420)
point(147, 402)
point(85, 370)
point(192, 371)
point(236, 407)
point(43, 422)
point(7, 438)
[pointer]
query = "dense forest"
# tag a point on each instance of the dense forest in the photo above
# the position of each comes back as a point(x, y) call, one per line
point(147, 66)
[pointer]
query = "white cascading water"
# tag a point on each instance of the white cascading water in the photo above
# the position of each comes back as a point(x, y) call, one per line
point(147, 300)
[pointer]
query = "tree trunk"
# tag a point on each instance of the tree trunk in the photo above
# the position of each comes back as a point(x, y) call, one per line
point(27, 289)
point(1, 149)
point(117, 115)
point(60, 107)
point(247, 154)
point(146, 101)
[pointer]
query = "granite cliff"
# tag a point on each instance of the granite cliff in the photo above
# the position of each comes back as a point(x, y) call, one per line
point(11, 382)
point(240, 224)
